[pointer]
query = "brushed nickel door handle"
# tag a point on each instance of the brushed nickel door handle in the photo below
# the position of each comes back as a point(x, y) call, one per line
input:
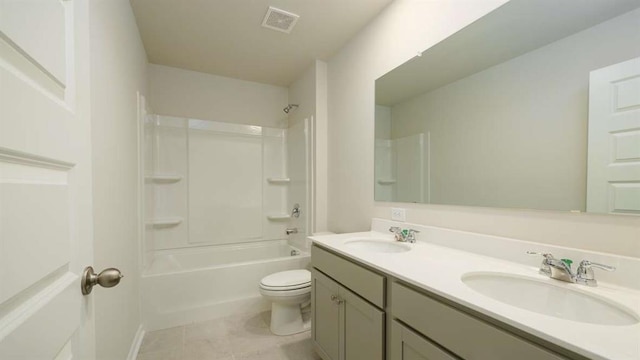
point(107, 278)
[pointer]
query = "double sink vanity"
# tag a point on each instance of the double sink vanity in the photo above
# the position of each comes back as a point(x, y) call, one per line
point(458, 295)
point(533, 106)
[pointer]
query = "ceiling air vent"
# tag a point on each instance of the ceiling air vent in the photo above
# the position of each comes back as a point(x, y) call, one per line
point(280, 20)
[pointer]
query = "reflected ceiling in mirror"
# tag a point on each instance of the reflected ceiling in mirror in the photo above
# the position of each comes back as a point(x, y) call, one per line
point(500, 113)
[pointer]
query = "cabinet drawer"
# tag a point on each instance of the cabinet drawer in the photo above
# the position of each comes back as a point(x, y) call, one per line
point(363, 282)
point(408, 345)
point(462, 334)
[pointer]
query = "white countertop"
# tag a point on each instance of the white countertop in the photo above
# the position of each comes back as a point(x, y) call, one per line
point(439, 269)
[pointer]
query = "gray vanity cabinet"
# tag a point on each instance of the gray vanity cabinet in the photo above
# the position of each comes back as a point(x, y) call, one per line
point(406, 344)
point(344, 325)
point(361, 314)
point(460, 333)
point(326, 322)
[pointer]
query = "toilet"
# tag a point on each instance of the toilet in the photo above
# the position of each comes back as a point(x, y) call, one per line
point(289, 291)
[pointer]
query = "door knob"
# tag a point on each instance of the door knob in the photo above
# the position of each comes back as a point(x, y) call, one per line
point(107, 278)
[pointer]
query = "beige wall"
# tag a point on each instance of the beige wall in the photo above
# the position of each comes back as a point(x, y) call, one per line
point(402, 30)
point(521, 142)
point(118, 71)
point(185, 93)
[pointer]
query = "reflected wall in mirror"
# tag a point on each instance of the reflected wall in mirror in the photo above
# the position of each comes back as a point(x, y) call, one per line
point(500, 114)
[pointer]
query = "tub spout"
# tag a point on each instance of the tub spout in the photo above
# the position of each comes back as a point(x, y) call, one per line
point(290, 231)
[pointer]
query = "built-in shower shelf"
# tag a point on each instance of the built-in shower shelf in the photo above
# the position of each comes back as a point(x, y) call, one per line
point(386, 181)
point(165, 222)
point(163, 178)
point(278, 180)
point(278, 217)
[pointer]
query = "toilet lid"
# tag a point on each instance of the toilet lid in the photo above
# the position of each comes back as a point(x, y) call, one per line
point(287, 280)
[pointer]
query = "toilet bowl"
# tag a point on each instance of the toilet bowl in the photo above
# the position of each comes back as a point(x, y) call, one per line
point(288, 291)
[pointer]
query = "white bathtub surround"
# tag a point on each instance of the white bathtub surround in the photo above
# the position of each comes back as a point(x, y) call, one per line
point(220, 199)
point(216, 220)
point(193, 284)
point(441, 257)
point(299, 171)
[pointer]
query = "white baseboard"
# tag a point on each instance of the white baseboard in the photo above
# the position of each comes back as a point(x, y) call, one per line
point(135, 345)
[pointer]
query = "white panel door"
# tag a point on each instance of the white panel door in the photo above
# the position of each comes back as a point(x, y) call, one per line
point(45, 180)
point(613, 179)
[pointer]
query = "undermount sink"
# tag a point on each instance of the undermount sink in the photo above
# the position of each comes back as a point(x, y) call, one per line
point(377, 245)
point(548, 299)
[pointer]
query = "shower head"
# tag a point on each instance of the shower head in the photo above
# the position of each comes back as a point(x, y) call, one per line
point(290, 107)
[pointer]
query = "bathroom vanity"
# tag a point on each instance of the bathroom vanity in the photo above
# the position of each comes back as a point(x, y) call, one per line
point(374, 298)
point(348, 308)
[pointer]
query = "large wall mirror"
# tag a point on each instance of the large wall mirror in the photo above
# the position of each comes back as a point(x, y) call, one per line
point(534, 106)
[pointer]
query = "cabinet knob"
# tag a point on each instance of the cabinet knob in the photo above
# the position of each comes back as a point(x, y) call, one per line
point(336, 299)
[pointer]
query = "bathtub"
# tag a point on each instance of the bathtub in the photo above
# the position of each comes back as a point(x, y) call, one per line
point(195, 284)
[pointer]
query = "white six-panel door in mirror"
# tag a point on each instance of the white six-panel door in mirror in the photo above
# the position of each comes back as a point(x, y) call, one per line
point(45, 207)
point(613, 183)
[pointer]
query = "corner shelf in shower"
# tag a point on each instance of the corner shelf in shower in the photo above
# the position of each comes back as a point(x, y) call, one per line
point(278, 180)
point(163, 178)
point(165, 222)
point(386, 181)
point(278, 217)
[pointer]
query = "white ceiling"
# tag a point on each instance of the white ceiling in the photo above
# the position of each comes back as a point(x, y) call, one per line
point(225, 37)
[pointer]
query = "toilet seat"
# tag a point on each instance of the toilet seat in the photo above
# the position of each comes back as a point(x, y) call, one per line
point(286, 281)
point(282, 294)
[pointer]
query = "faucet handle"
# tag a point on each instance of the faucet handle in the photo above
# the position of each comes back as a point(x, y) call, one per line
point(411, 235)
point(589, 264)
point(545, 269)
point(397, 233)
point(585, 272)
point(547, 256)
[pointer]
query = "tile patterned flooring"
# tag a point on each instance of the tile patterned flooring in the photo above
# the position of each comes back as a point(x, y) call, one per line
point(237, 337)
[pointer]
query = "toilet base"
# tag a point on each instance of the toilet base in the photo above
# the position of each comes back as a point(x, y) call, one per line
point(286, 319)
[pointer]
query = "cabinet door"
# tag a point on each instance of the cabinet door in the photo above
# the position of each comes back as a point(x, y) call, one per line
point(446, 325)
point(409, 345)
point(326, 317)
point(363, 328)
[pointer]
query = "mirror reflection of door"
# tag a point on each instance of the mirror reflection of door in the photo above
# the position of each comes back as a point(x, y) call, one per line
point(613, 180)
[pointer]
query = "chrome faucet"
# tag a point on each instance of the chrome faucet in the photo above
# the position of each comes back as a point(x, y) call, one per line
point(560, 269)
point(406, 235)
